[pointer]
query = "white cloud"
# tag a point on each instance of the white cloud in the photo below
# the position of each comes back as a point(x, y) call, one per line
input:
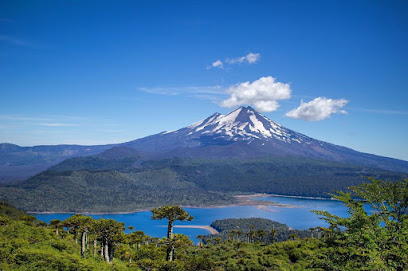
point(211, 93)
point(22, 118)
point(249, 58)
point(173, 91)
point(58, 124)
point(217, 64)
point(263, 94)
point(318, 109)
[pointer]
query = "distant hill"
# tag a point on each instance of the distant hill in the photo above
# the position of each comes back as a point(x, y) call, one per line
point(19, 163)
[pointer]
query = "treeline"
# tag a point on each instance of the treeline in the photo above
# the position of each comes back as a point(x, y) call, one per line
point(252, 230)
point(285, 176)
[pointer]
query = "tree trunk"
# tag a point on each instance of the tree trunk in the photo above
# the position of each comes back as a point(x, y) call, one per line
point(56, 231)
point(110, 251)
point(102, 247)
point(170, 253)
point(106, 252)
point(170, 230)
point(170, 247)
point(95, 245)
point(83, 243)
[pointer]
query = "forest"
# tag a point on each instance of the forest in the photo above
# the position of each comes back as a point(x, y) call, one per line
point(95, 184)
point(255, 229)
point(366, 240)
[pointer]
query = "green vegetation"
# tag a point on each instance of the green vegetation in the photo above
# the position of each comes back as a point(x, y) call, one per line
point(83, 243)
point(117, 185)
point(108, 191)
point(370, 239)
point(375, 236)
point(27, 244)
point(252, 230)
point(96, 163)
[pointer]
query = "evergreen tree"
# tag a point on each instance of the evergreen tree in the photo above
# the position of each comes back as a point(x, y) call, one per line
point(172, 214)
point(375, 235)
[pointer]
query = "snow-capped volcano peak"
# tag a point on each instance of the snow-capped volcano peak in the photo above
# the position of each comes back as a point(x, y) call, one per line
point(245, 133)
point(244, 123)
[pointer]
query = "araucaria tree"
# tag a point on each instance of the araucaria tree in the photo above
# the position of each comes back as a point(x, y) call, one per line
point(109, 232)
point(80, 224)
point(374, 236)
point(172, 214)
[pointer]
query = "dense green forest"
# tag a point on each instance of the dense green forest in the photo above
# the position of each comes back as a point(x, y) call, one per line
point(365, 240)
point(255, 229)
point(110, 184)
point(108, 191)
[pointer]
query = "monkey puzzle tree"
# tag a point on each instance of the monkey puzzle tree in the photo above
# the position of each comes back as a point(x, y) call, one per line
point(80, 224)
point(272, 236)
point(261, 235)
point(73, 223)
point(56, 224)
point(109, 232)
point(136, 238)
point(201, 238)
point(172, 214)
point(375, 235)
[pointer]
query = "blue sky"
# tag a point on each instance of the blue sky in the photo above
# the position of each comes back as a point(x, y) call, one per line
point(95, 72)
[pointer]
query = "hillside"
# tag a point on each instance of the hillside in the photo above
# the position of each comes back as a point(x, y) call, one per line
point(27, 244)
point(196, 182)
point(107, 191)
point(19, 163)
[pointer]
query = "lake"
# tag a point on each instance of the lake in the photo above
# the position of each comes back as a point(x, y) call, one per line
point(297, 217)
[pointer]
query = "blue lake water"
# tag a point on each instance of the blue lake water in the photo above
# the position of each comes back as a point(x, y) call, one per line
point(297, 217)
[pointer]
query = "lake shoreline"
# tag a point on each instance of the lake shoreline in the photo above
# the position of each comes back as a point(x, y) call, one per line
point(243, 200)
point(210, 229)
point(300, 197)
